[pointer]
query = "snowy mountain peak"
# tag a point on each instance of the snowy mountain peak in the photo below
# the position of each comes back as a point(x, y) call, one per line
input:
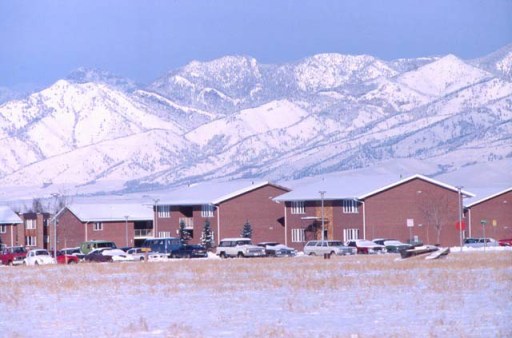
point(327, 71)
point(498, 62)
point(84, 75)
point(443, 76)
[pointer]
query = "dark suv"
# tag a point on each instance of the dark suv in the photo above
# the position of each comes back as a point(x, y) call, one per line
point(174, 248)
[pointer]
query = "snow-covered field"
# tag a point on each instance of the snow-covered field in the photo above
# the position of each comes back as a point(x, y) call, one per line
point(466, 294)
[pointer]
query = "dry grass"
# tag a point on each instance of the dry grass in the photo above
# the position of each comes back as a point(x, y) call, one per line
point(357, 278)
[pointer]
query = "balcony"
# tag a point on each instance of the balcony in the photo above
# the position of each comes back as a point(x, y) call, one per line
point(141, 233)
point(189, 222)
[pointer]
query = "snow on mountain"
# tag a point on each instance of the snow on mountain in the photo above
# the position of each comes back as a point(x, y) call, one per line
point(443, 76)
point(67, 116)
point(220, 85)
point(395, 96)
point(234, 118)
point(326, 71)
point(499, 62)
point(263, 119)
point(127, 157)
point(84, 75)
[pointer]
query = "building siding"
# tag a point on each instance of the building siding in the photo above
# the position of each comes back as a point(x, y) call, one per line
point(387, 213)
point(498, 211)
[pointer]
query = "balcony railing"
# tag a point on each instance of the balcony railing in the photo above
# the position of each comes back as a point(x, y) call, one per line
point(143, 232)
point(189, 222)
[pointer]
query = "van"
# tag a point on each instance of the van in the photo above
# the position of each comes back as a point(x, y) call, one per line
point(88, 246)
point(165, 245)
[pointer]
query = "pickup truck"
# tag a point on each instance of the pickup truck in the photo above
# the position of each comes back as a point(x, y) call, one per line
point(13, 255)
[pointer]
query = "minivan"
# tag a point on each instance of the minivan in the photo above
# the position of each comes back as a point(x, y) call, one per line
point(88, 246)
point(165, 245)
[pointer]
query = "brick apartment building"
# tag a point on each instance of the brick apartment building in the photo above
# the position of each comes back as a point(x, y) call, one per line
point(9, 224)
point(124, 224)
point(371, 207)
point(227, 206)
point(492, 214)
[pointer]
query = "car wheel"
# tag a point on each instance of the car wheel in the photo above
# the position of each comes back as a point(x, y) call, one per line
point(141, 259)
point(10, 263)
point(71, 261)
point(240, 255)
point(312, 254)
point(222, 255)
point(332, 253)
point(173, 256)
point(37, 263)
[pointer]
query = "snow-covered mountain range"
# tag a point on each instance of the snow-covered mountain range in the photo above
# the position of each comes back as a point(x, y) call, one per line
point(236, 118)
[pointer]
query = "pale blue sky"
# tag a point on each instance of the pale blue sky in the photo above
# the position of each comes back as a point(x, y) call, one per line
point(43, 40)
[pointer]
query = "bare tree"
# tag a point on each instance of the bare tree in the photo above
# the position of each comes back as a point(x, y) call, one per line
point(437, 213)
point(37, 206)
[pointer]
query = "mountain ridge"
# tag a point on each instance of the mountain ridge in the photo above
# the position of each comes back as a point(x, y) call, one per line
point(235, 118)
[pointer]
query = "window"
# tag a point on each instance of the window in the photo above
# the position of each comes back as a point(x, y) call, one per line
point(163, 234)
point(47, 239)
point(98, 226)
point(298, 236)
point(31, 241)
point(30, 224)
point(3, 229)
point(298, 207)
point(164, 211)
point(350, 207)
point(350, 234)
point(207, 210)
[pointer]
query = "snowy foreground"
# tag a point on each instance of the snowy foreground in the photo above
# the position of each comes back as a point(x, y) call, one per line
point(466, 294)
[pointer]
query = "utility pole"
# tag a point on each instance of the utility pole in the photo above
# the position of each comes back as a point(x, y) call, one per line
point(322, 194)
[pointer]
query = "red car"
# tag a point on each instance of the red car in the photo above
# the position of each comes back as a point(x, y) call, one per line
point(62, 258)
point(505, 242)
point(13, 255)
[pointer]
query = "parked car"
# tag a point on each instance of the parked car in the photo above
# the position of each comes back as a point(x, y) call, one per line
point(165, 245)
point(38, 257)
point(505, 242)
point(117, 255)
point(364, 246)
point(479, 242)
point(63, 258)
point(88, 246)
point(239, 247)
point(330, 247)
point(138, 254)
point(392, 245)
point(190, 251)
point(73, 251)
point(97, 256)
point(13, 255)
point(274, 249)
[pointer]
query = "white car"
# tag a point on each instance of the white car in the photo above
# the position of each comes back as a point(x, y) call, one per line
point(239, 247)
point(38, 257)
point(138, 254)
point(117, 255)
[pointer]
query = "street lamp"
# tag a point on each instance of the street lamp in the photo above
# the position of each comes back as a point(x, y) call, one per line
point(55, 196)
point(322, 193)
point(126, 230)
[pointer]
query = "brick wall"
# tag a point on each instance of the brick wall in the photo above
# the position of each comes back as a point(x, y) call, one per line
point(425, 203)
point(498, 211)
